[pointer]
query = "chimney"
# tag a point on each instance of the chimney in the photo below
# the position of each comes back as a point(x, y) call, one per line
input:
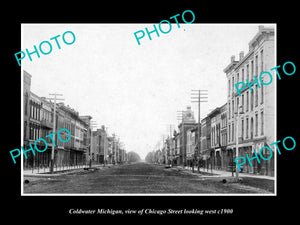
point(232, 58)
point(260, 27)
point(241, 55)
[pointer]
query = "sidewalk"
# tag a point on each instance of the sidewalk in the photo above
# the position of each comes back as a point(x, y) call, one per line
point(43, 172)
point(223, 173)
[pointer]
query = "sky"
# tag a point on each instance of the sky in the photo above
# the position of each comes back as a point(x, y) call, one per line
point(135, 90)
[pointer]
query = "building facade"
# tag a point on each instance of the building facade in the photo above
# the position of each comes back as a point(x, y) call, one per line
point(188, 121)
point(205, 155)
point(256, 105)
point(38, 123)
point(191, 144)
point(215, 140)
point(218, 140)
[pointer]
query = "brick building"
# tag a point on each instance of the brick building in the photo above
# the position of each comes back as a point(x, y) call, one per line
point(256, 104)
point(188, 121)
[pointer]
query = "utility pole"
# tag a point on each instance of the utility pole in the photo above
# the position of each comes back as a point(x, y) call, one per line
point(198, 96)
point(54, 127)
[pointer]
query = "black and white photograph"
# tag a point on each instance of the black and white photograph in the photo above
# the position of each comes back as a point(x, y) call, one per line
point(150, 113)
point(162, 116)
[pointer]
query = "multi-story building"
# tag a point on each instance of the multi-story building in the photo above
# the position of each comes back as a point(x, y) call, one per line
point(38, 123)
point(74, 151)
point(87, 137)
point(176, 154)
point(205, 142)
point(225, 157)
point(26, 106)
point(188, 121)
point(256, 105)
point(33, 126)
point(109, 150)
point(115, 149)
point(100, 146)
point(191, 144)
point(170, 150)
point(218, 134)
point(104, 145)
point(215, 140)
point(46, 129)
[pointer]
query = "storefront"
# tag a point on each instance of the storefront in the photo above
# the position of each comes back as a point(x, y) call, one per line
point(265, 167)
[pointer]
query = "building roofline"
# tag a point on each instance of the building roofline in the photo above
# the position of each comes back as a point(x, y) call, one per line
point(230, 66)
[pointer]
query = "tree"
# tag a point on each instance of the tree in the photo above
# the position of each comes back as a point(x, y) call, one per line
point(150, 157)
point(133, 157)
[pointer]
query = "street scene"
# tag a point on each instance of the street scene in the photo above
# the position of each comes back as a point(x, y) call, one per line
point(163, 117)
point(144, 178)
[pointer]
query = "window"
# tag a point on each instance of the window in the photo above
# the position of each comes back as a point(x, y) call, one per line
point(232, 138)
point(31, 110)
point(256, 124)
point(262, 123)
point(247, 127)
point(228, 86)
point(251, 128)
point(232, 109)
point(229, 130)
point(261, 60)
point(232, 83)
point(229, 109)
point(247, 71)
point(256, 65)
point(242, 135)
point(252, 70)
point(261, 94)
point(247, 101)
point(26, 103)
point(242, 75)
point(237, 78)
point(252, 100)
point(256, 95)
point(242, 102)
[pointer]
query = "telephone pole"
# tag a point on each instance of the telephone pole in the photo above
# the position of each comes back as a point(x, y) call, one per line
point(198, 96)
point(54, 127)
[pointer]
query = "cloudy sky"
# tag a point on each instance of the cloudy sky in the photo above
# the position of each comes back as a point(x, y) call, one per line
point(135, 90)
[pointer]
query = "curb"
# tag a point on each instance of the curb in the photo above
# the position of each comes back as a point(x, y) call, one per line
point(62, 172)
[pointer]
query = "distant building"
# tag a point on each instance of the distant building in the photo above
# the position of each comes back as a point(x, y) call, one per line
point(109, 150)
point(176, 155)
point(100, 146)
point(191, 143)
point(188, 121)
point(218, 138)
point(205, 149)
